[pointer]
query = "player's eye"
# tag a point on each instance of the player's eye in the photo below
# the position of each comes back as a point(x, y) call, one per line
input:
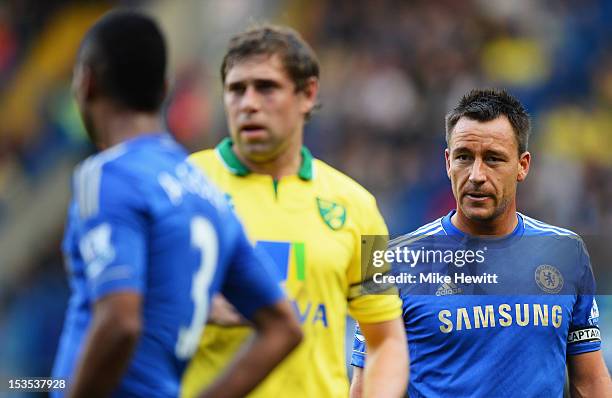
point(265, 86)
point(462, 157)
point(237, 89)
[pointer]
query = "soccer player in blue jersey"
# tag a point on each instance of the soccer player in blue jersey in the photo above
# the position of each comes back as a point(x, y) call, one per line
point(500, 302)
point(148, 240)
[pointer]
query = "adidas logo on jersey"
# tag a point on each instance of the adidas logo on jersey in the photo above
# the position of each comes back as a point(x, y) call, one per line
point(448, 289)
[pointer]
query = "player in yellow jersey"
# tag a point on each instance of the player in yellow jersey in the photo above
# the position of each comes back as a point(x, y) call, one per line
point(307, 216)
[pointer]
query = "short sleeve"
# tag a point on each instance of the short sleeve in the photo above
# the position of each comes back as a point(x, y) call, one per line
point(112, 240)
point(369, 308)
point(584, 335)
point(251, 281)
point(358, 355)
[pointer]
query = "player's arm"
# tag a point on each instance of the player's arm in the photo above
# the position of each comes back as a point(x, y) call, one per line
point(358, 363)
point(357, 383)
point(223, 313)
point(386, 370)
point(277, 333)
point(589, 376)
point(115, 329)
point(385, 373)
point(113, 249)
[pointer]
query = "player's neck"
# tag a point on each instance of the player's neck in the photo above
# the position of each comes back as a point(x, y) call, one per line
point(118, 126)
point(287, 163)
point(500, 226)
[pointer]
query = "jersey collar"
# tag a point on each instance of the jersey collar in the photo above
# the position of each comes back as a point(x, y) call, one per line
point(227, 155)
point(455, 232)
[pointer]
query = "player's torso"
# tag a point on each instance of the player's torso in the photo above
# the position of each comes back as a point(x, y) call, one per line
point(488, 345)
point(288, 225)
point(309, 234)
point(173, 206)
point(505, 335)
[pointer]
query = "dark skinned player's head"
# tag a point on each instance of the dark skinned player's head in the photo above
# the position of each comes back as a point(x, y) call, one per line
point(122, 61)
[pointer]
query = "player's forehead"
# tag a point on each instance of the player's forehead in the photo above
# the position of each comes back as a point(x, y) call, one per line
point(257, 67)
point(496, 134)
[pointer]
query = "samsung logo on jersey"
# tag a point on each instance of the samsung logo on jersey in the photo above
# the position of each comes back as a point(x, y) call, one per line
point(503, 315)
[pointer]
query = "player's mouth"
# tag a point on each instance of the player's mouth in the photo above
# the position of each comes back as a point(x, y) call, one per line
point(477, 196)
point(253, 131)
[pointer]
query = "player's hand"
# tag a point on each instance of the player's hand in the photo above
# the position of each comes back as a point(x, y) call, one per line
point(222, 313)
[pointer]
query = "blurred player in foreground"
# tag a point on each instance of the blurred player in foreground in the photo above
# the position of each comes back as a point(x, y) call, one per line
point(513, 338)
point(307, 216)
point(148, 240)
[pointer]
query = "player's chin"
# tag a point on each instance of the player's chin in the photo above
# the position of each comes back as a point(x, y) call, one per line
point(258, 152)
point(479, 213)
point(257, 141)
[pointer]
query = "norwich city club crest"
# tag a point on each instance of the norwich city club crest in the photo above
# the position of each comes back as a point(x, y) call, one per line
point(549, 279)
point(332, 213)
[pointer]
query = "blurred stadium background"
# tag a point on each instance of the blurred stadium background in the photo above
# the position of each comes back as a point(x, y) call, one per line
point(390, 71)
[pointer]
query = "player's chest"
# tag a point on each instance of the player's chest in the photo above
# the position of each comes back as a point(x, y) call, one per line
point(310, 236)
point(462, 320)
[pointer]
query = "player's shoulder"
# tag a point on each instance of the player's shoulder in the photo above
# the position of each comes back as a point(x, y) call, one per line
point(204, 157)
point(104, 169)
point(99, 161)
point(209, 161)
point(433, 228)
point(124, 173)
point(135, 156)
point(534, 227)
point(537, 229)
point(339, 184)
point(112, 161)
point(117, 165)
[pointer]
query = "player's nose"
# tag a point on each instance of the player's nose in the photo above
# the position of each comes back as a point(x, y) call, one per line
point(478, 173)
point(250, 101)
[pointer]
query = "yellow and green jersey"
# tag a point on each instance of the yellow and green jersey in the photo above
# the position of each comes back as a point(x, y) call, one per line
point(311, 225)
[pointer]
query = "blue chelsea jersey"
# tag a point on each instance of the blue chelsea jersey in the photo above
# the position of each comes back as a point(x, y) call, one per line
point(500, 327)
point(143, 219)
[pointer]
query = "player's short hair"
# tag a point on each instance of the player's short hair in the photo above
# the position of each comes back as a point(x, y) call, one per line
point(297, 56)
point(485, 105)
point(127, 53)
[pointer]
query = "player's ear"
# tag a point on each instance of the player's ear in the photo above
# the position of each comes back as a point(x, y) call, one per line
point(309, 95)
point(165, 89)
point(447, 161)
point(523, 166)
point(83, 86)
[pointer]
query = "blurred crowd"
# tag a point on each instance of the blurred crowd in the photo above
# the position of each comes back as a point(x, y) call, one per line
point(390, 72)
